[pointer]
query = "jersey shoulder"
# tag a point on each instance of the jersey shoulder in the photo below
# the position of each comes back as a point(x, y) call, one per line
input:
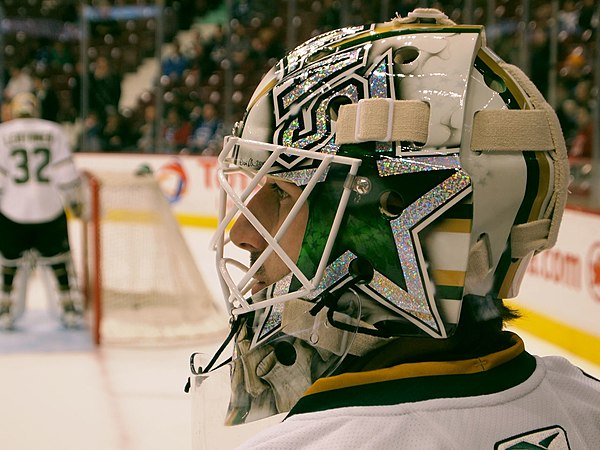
point(20, 131)
point(31, 125)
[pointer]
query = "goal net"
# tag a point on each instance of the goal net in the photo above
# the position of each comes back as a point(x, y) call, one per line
point(143, 284)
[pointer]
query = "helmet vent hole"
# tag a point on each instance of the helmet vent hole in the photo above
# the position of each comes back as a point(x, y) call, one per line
point(334, 106)
point(285, 353)
point(495, 83)
point(391, 204)
point(405, 55)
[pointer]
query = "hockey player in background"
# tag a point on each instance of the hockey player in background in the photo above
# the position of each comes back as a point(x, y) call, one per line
point(38, 178)
point(401, 176)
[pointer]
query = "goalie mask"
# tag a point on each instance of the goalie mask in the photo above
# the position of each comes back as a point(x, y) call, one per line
point(422, 169)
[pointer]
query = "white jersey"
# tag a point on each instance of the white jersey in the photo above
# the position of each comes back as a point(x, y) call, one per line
point(527, 402)
point(35, 166)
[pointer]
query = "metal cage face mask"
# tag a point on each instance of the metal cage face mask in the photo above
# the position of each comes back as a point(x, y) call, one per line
point(262, 168)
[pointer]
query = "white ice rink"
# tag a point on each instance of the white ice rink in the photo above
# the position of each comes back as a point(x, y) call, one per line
point(68, 395)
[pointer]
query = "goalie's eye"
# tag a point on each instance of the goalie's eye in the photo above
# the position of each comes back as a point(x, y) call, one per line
point(281, 193)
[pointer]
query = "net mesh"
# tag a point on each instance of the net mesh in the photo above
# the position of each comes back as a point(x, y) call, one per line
point(151, 290)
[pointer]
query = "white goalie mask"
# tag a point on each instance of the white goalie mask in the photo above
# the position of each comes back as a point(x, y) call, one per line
point(427, 170)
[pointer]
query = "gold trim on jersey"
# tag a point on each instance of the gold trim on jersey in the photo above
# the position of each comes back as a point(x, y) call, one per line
point(420, 369)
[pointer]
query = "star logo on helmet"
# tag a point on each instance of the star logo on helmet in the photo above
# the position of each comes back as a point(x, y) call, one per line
point(415, 300)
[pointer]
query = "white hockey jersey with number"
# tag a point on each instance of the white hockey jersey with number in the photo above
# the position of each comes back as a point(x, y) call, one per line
point(35, 165)
point(506, 400)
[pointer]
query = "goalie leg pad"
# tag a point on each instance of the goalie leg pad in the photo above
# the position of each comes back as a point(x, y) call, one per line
point(6, 314)
point(63, 270)
point(15, 278)
point(9, 270)
point(62, 286)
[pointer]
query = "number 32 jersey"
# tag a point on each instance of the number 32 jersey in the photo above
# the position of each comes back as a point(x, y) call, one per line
point(35, 166)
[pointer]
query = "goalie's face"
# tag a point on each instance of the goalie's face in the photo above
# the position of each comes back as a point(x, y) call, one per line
point(271, 206)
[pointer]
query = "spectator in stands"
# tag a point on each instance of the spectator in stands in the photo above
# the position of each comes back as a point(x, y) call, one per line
point(46, 97)
point(199, 57)
point(176, 130)
point(216, 39)
point(148, 136)
point(69, 11)
point(92, 129)
point(60, 55)
point(239, 46)
point(41, 57)
point(273, 42)
point(67, 111)
point(583, 94)
point(175, 63)
point(568, 18)
point(216, 46)
point(208, 133)
point(75, 88)
point(114, 136)
point(194, 45)
point(540, 58)
point(586, 15)
point(53, 55)
point(567, 113)
point(265, 49)
point(20, 81)
point(104, 89)
point(329, 18)
point(573, 67)
point(581, 147)
point(106, 24)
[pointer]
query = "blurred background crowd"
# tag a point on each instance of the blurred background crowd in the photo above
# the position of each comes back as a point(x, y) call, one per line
point(172, 76)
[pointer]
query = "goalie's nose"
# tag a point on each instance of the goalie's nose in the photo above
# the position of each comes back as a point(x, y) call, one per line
point(244, 234)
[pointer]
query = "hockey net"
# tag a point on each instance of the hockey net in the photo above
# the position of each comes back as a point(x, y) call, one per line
point(141, 281)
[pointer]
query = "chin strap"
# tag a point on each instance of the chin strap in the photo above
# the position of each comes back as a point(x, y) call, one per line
point(198, 370)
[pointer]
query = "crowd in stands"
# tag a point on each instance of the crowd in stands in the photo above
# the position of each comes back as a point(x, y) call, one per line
point(206, 80)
